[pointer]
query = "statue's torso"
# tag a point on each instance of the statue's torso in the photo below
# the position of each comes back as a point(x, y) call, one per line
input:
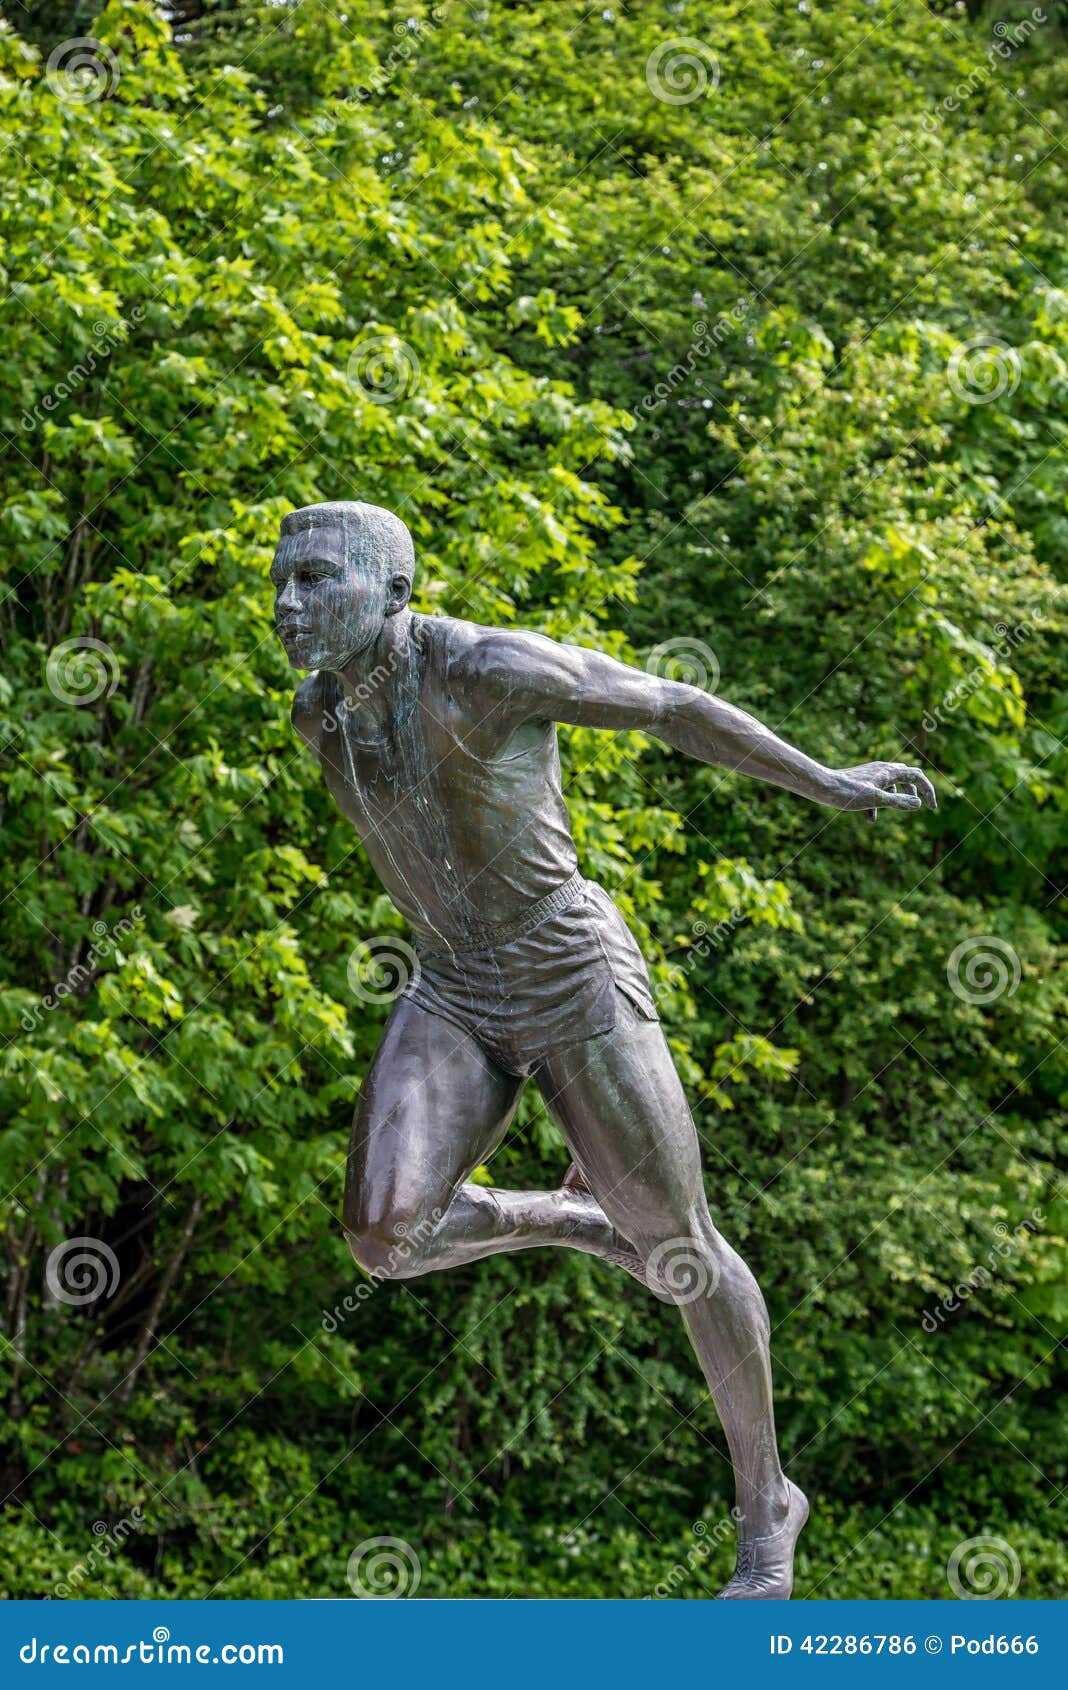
point(461, 841)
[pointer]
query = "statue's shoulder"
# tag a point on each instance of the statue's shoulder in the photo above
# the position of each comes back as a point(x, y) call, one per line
point(457, 645)
point(482, 657)
point(316, 695)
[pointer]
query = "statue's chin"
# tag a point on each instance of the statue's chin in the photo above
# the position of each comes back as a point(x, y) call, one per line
point(318, 657)
point(351, 655)
point(300, 658)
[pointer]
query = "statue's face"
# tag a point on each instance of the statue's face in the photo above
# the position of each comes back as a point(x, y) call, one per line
point(327, 608)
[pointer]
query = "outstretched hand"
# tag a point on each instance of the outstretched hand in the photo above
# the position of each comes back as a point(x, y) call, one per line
point(883, 786)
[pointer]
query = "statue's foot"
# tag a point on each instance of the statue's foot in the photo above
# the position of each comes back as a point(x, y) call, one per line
point(765, 1568)
point(575, 1180)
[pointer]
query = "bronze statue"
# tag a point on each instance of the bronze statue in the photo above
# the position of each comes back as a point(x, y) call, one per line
point(437, 740)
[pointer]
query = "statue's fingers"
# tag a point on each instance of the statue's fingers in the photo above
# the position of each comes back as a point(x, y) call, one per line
point(918, 782)
point(887, 797)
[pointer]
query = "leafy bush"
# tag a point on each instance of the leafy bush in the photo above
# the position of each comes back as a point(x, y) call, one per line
point(780, 369)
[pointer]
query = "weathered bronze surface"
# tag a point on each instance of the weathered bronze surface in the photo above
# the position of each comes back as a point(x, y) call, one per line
point(437, 740)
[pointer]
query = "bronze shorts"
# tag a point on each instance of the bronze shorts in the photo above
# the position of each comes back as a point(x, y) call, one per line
point(544, 982)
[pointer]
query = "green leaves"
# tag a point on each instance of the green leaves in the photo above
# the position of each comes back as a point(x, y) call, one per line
point(781, 367)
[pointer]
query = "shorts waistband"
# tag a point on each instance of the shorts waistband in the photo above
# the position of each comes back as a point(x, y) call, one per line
point(486, 938)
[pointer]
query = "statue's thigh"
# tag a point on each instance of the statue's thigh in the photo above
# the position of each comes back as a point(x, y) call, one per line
point(432, 1107)
point(619, 1103)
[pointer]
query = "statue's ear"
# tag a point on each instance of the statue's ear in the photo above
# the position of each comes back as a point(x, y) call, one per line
point(400, 591)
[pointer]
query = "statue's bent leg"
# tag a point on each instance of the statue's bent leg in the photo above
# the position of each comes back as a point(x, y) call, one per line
point(622, 1109)
point(432, 1108)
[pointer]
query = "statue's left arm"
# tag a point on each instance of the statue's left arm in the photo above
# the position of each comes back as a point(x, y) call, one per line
point(520, 677)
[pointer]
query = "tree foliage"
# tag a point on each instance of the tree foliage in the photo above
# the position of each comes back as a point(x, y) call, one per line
point(773, 376)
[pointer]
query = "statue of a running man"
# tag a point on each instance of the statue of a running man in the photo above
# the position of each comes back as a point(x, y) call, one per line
point(437, 740)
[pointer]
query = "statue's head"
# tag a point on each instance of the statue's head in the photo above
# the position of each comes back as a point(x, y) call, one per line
point(340, 569)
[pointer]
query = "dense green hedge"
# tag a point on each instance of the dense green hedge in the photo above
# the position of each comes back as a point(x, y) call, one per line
point(780, 369)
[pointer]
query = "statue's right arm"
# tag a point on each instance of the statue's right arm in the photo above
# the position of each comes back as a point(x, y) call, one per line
point(521, 676)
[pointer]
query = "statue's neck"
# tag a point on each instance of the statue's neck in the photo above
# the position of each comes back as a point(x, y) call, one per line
point(368, 681)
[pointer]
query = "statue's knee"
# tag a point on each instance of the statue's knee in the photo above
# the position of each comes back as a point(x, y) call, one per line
point(377, 1248)
point(685, 1265)
point(391, 1245)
